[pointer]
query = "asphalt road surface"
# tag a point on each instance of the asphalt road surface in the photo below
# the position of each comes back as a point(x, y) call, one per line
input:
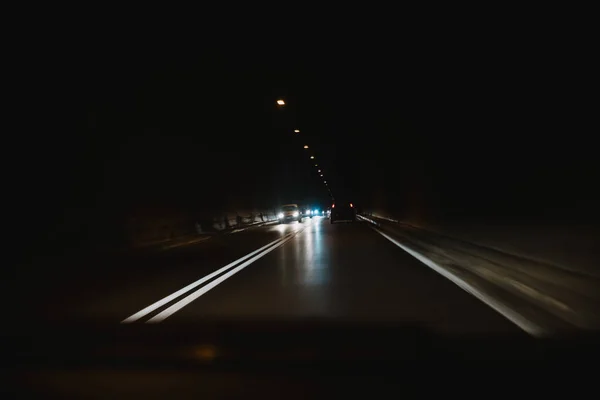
point(313, 269)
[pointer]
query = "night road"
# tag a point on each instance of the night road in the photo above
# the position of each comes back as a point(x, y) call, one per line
point(313, 269)
point(173, 207)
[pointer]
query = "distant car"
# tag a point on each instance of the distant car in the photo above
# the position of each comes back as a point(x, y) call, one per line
point(316, 211)
point(312, 212)
point(289, 212)
point(307, 212)
point(342, 211)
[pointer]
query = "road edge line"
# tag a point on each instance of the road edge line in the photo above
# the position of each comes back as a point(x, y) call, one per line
point(528, 326)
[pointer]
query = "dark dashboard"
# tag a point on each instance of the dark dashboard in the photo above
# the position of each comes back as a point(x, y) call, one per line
point(290, 358)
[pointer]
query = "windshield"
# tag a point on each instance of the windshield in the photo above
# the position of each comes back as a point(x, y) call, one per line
point(474, 189)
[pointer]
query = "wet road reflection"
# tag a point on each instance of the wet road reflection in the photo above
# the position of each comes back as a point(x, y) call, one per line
point(310, 269)
point(315, 267)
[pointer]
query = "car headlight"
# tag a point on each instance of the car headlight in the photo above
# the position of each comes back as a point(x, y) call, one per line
point(280, 215)
point(295, 214)
point(316, 212)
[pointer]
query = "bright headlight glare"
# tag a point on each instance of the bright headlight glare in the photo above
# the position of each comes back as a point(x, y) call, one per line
point(295, 214)
point(280, 215)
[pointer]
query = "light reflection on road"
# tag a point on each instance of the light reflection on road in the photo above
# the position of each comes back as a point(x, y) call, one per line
point(313, 270)
point(284, 229)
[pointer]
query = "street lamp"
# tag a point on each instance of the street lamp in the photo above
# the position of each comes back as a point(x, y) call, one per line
point(312, 157)
point(319, 171)
point(280, 102)
point(297, 130)
point(305, 146)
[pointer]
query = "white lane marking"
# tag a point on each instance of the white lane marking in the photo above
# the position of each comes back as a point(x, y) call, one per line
point(162, 302)
point(510, 314)
point(193, 296)
point(368, 220)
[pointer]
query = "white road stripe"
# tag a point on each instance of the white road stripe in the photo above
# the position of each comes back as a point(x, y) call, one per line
point(162, 302)
point(510, 314)
point(193, 296)
point(368, 220)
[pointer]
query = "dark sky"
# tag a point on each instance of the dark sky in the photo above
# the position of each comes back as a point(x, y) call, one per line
point(471, 127)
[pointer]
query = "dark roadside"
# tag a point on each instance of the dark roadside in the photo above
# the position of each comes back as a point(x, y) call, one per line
point(60, 274)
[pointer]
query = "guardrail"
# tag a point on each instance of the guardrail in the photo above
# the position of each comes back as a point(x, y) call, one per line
point(150, 232)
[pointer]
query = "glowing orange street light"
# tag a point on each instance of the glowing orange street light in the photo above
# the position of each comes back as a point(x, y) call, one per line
point(280, 102)
point(305, 146)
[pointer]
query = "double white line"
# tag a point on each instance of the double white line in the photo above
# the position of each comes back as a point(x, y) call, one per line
point(255, 255)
